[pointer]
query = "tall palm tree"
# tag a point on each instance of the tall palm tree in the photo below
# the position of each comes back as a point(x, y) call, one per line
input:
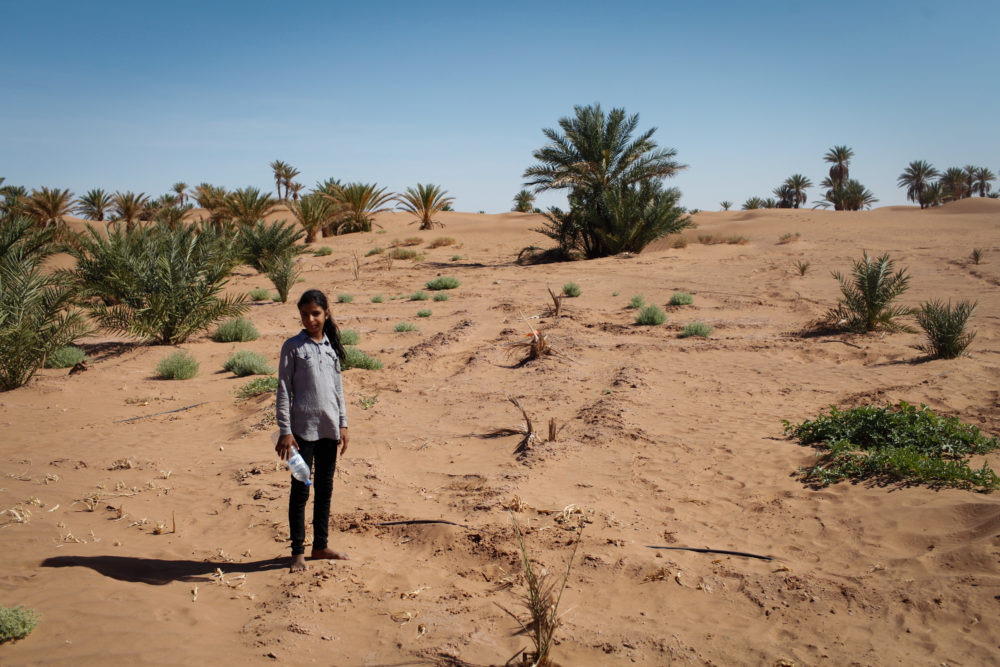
point(932, 195)
point(15, 199)
point(916, 178)
point(953, 182)
point(797, 185)
point(212, 198)
point(983, 179)
point(363, 201)
point(523, 201)
point(314, 212)
point(47, 206)
point(786, 196)
point(180, 189)
point(288, 176)
point(248, 205)
point(425, 201)
point(852, 196)
point(128, 206)
point(279, 168)
point(94, 205)
point(840, 158)
point(726, 205)
point(970, 178)
point(295, 187)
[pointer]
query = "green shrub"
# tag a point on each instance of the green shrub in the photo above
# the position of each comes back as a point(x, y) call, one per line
point(424, 313)
point(358, 359)
point(404, 253)
point(895, 443)
point(696, 329)
point(66, 357)
point(636, 302)
point(419, 295)
point(405, 326)
point(245, 362)
point(238, 330)
point(262, 244)
point(180, 365)
point(260, 294)
point(651, 315)
point(867, 298)
point(802, 266)
point(571, 289)
point(276, 298)
point(681, 299)
point(945, 327)
point(345, 298)
point(377, 250)
point(259, 385)
point(323, 251)
point(456, 258)
point(349, 337)
point(16, 623)
point(378, 298)
point(442, 282)
point(441, 296)
point(283, 273)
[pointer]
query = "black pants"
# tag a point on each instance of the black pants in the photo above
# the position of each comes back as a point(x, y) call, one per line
point(324, 453)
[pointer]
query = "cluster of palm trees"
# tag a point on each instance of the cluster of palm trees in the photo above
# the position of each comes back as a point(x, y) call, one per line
point(928, 187)
point(841, 191)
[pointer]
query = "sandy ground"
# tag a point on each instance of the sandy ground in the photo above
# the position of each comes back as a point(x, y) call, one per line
point(665, 442)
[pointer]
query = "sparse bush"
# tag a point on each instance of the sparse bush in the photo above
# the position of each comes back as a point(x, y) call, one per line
point(441, 296)
point(16, 623)
point(788, 238)
point(638, 301)
point(377, 250)
point(245, 362)
point(456, 258)
point(442, 282)
point(405, 253)
point(405, 326)
point(323, 251)
point(424, 313)
point(345, 298)
point(707, 239)
point(257, 386)
point(945, 327)
point(679, 242)
point(419, 295)
point(66, 357)
point(260, 294)
point(179, 365)
point(699, 329)
point(349, 337)
point(571, 289)
point(651, 315)
point(867, 301)
point(378, 298)
point(737, 239)
point(681, 299)
point(283, 273)
point(802, 266)
point(441, 241)
point(358, 359)
point(411, 241)
point(977, 255)
point(238, 330)
point(895, 443)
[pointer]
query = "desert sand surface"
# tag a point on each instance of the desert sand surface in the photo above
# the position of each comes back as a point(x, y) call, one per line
point(664, 441)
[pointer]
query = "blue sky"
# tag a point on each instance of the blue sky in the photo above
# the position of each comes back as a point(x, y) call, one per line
point(140, 95)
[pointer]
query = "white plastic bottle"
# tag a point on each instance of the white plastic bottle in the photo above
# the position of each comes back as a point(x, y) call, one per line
point(297, 465)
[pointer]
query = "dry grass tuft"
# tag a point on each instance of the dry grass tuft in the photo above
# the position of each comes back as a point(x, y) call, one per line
point(557, 300)
point(440, 242)
point(527, 432)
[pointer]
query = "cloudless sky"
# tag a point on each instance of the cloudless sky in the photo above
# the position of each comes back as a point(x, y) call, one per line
point(139, 95)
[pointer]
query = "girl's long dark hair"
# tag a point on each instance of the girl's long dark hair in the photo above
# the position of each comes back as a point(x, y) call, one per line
point(329, 328)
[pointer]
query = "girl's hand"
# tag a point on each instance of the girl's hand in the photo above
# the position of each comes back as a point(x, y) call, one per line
point(344, 437)
point(284, 446)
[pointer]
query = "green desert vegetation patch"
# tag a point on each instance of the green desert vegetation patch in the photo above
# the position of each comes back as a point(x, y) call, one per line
point(571, 290)
point(267, 384)
point(681, 299)
point(357, 359)
point(651, 315)
point(442, 282)
point(349, 337)
point(180, 365)
point(260, 294)
point(237, 330)
point(66, 357)
point(895, 444)
point(246, 362)
point(16, 623)
point(698, 329)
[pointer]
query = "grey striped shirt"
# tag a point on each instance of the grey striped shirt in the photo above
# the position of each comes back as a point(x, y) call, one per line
point(310, 400)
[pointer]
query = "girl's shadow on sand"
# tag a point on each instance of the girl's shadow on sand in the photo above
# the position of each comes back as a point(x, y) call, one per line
point(157, 572)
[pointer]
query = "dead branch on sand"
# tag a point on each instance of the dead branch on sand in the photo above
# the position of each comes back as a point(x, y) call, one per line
point(557, 300)
point(527, 432)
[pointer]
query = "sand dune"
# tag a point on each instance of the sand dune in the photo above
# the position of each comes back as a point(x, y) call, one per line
point(666, 442)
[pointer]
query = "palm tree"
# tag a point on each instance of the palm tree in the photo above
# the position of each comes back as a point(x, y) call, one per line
point(852, 196)
point(314, 212)
point(212, 198)
point(279, 168)
point(94, 205)
point(786, 198)
point(295, 187)
point(840, 158)
point(363, 201)
point(916, 178)
point(953, 182)
point(288, 174)
point(797, 184)
point(983, 179)
point(523, 201)
point(15, 199)
point(726, 205)
point(932, 195)
point(425, 201)
point(248, 205)
point(753, 203)
point(970, 178)
point(47, 206)
point(180, 187)
point(868, 296)
point(128, 206)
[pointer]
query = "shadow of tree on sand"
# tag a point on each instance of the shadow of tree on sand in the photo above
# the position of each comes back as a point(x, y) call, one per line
point(158, 572)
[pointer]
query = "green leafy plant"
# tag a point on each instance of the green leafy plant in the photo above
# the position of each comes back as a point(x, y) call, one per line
point(425, 201)
point(66, 357)
point(324, 251)
point(571, 289)
point(179, 365)
point(895, 443)
point(358, 359)
point(977, 255)
point(245, 362)
point(802, 266)
point(260, 294)
point(257, 386)
point(405, 253)
point(651, 315)
point(699, 329)
point(946, 327)
point(636, 302)
point(424, 313)
point(419, 295)
point(16, 623)
point(236, 330)
point(367, 402)
point(349, 337)
point(868, 296)
point(681, 299)
point(261, 244)
point(345, 298)
point(442, 282)
point(378, 298)
point(402, 327)
point(283, 273)
point(456, 258)
point(377, 250)
point(441, 296)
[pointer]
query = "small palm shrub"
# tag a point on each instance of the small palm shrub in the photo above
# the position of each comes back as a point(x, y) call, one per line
point(424, 313)
point(345, 298)
point(404, 327)
point(419, 295)
point(440, 242)
point(259, 385)
point(16, 623)
point(442, 282)
point(571, 289)
point(868, 296)
point(283, 273)
point(357, 359)
point(180, 365)
point(802, 266)
point(441, 296)
point(377, 250)
point(66, 357)
point(977, 255)
point(378, 298)
point(262, 243)
point(696, 329)
point(651, 315)
point(237, 330)
point(349, 337)
point(637, 302)
point(681, 299)
point(260, 294)
point(247, 362)
point(323, 251)
point(945, 327)
point(898, 443)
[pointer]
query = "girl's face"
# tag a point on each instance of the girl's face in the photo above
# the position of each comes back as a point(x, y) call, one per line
point(313, 318)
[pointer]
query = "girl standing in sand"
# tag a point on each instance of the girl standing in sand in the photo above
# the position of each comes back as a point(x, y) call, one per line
point(311, 416)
